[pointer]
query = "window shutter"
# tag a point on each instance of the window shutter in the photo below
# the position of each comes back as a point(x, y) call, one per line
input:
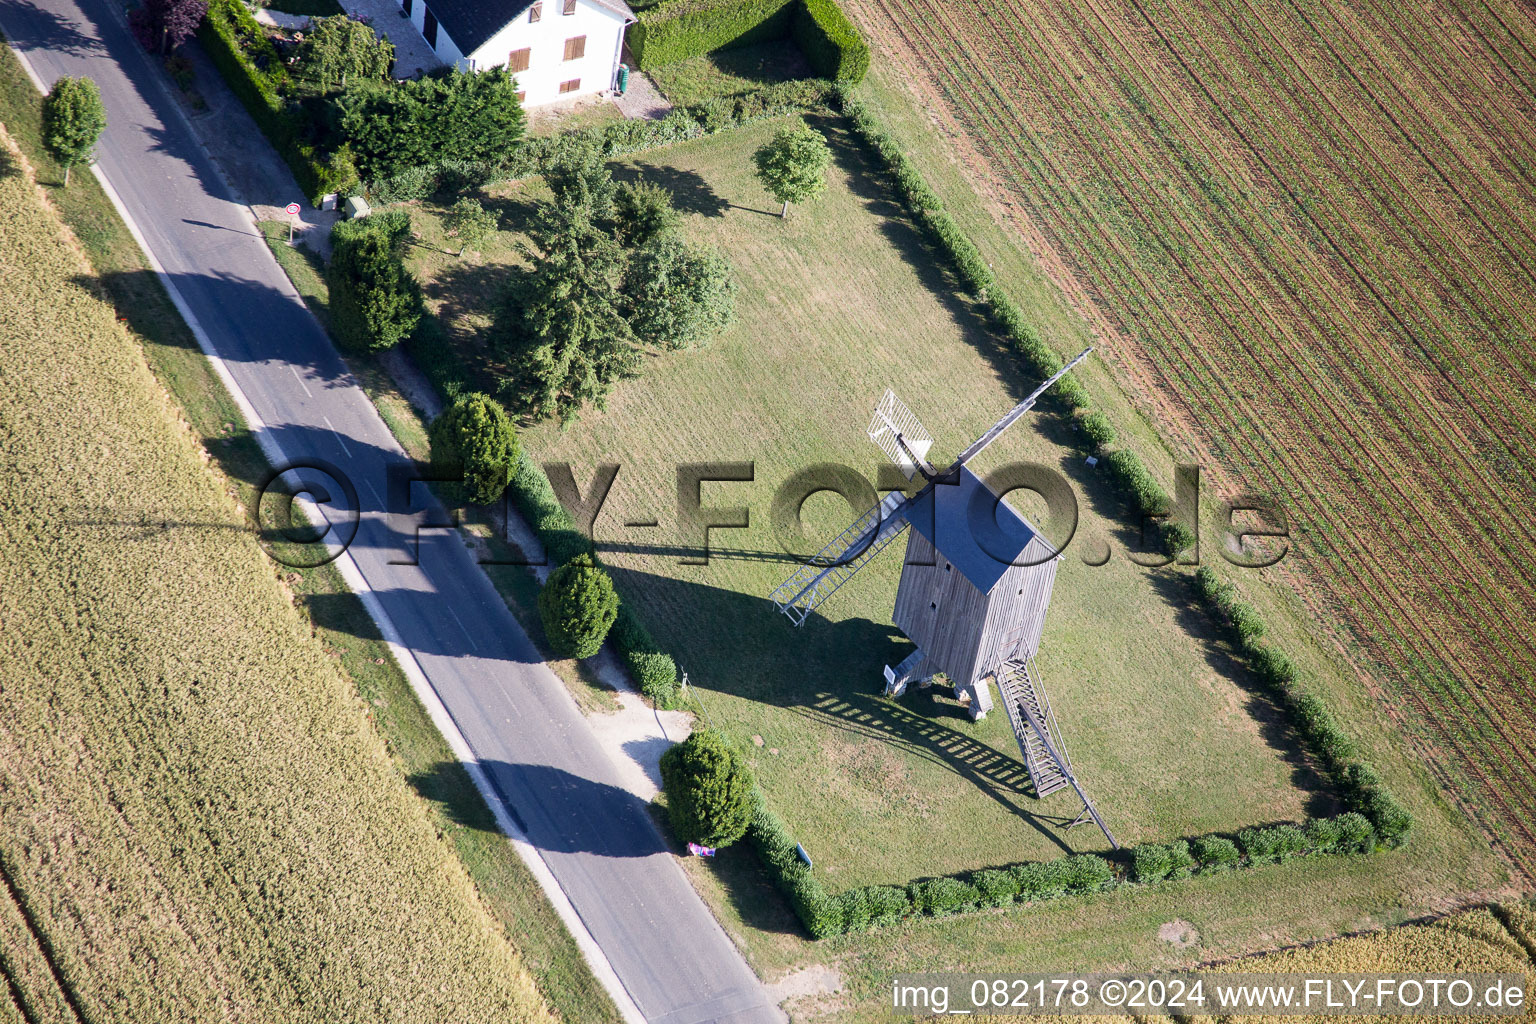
point(517, 60)
point(569, 8)
point(536, 12)
point(570, 86)
point(575, 47)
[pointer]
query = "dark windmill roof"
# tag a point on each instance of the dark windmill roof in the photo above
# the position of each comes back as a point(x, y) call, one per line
point(472, 23)
point(971, 529)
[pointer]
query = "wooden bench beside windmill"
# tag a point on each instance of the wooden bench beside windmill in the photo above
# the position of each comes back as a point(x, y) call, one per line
point(975, 587)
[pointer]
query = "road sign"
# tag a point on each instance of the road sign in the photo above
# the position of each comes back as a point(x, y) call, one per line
point(293, 209)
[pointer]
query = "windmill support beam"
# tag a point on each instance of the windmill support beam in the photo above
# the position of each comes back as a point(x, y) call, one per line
point(1050, 749)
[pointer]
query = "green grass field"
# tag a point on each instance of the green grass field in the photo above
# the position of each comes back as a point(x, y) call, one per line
point(200, 820)
point(868, 784)
point(838, 302)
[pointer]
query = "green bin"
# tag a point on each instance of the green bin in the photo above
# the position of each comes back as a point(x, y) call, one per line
point(623, 79)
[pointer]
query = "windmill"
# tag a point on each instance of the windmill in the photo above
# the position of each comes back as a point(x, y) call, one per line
point(974, 588)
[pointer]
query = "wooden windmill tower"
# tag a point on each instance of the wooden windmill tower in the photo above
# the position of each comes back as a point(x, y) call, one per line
point(974, 588)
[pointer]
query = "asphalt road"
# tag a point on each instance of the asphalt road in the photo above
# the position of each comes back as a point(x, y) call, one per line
point(670, 955)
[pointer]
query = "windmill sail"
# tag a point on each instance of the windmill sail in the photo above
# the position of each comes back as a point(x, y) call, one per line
point(900, 435)
point(818, 579)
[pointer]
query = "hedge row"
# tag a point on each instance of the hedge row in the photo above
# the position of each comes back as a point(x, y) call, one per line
point(615, 139)
point(254, 70)
point(830, 41)
point(1126, 471)
point(858, 910)
point(1358, 783)
point(674, 30)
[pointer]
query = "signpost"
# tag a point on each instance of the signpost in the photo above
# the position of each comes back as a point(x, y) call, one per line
point(293, 212)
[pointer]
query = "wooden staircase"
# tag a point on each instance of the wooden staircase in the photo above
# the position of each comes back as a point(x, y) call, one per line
point(1033, 723)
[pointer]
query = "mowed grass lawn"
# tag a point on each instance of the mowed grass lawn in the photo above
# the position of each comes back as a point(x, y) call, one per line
point(836, 303)
point(199, 821)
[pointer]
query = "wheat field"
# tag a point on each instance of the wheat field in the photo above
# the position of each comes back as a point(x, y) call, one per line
point(197, 819)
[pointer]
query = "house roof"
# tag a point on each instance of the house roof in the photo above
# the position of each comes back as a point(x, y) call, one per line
point(974, 530)
point(472, 23)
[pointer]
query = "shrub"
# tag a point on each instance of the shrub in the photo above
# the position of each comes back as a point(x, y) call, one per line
point(1287, 841)
point(474, 441)
point(1272, 667)
point(375, 302)
point(1355, 834)
point(821, 914)
point(458, 115)
point(338, 48)
point(1180, 861)
point(1215, 854)
point(853, 907)
point(887, 904)
point(1150, 862)
point(1099, 430)
point(996, 887)
point(578, 606)
point(676, 29)
point(1247, 624)
point(830, 42)
point(1040, 881)
point(1390, 819)
point(677, 294)
point(1322, 834)
point(1087, 872)
point(709, 790)
point(656, 675)
point(470, 223)
point(1259, 845)
point(938, 897)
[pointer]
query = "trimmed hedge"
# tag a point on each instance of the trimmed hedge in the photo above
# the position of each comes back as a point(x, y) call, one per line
point(675, 30)
point(830, 41)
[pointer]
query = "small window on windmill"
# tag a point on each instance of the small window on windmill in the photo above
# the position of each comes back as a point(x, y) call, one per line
point(933, 606)
point(947, 567)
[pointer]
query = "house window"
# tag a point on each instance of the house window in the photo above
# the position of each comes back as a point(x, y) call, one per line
point(536, 12)
point(570, 86)
point(429, 26)
point(576, 48)
point(569, 7)
point(517, 60)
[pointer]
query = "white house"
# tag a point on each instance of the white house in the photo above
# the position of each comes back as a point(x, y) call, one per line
point(559, 49)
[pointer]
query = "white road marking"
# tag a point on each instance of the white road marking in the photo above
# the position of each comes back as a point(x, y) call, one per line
point(340, 440)
point(296, 377)
point(369, 484)
point(461, 626)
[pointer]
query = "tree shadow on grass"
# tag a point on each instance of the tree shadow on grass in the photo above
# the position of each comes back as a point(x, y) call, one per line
point(690, 192)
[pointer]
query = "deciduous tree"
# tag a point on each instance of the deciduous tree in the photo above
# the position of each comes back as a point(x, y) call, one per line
point(73, 120)
point(163, 25)
point(470, 223)
point(375, 302)
point(793, 166)
point(678, 295)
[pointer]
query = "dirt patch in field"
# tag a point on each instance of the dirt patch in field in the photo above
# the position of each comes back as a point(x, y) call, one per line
point(1178, 933)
